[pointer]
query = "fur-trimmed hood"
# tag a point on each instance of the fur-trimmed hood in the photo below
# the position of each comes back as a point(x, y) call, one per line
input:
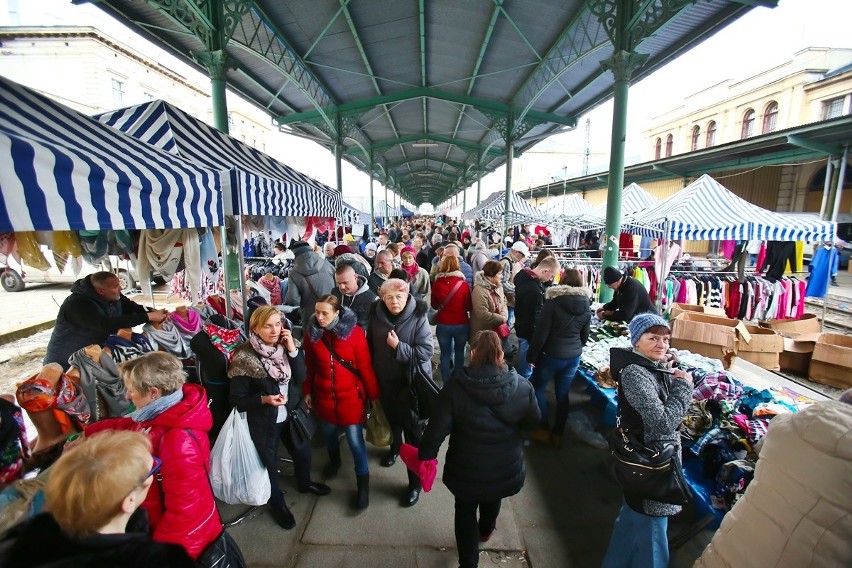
point(454, 273)
point(479, 279)
point(246, 362)
point(343, 329)
point(562, 290)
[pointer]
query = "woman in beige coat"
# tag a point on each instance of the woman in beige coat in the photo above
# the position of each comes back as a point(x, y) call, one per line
point(489, 303)
point(798, 509)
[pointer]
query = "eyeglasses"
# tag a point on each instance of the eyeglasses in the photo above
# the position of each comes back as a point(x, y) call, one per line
point(155, 469)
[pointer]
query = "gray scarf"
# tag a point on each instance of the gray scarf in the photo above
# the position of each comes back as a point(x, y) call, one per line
point(332, 324)
point(102, 378)
point(157, 407)
point(167, 339)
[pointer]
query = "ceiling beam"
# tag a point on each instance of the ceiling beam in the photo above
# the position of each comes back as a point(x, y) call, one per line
point(435, 138)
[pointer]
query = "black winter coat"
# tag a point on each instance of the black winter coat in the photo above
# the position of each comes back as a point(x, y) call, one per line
point(86, 319)
point(529, 299)
point(360, 302)
point(630, 299)
point(563, 324)
point(40, 542)
point(482, 410)
point(249, 382)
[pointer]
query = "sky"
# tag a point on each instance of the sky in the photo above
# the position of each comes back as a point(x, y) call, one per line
point(761, 39)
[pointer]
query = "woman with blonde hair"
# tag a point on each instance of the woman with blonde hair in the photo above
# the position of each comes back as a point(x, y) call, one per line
point(267, 373)
point(180, 504)
point(91, 493)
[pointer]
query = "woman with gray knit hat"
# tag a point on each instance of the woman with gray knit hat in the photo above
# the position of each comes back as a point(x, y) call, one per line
point(652, 402)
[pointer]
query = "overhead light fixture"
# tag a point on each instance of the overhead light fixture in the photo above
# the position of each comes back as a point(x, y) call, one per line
point(423, 144)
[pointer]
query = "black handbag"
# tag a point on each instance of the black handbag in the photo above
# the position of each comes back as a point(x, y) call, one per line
point(422, 389)
point(649, 473)
point(222, 553)
point(302, 425)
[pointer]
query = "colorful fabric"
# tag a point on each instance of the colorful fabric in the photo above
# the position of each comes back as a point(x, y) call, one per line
point(272, 358)
point(14, 446)
point(225, 340)
point(66, 400)
point(273, 285)
point(718, 386)
point(188, 323)
point(124, 350)
point(754, 429)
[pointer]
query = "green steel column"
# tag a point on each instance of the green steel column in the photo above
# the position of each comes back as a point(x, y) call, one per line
point(622, 64)
point(478, 187)
point(372, 204)
point(510, 154)
point(216, 63)
point(464, 199)
point(385, 218)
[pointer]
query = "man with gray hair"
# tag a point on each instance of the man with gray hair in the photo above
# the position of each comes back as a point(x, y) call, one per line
point(381, 270)
point(478, 258)
point(437, 240)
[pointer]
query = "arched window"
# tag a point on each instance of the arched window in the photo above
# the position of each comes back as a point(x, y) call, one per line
point(748, 124)
point(711, 134)
point(669, 144)
point(696, 134)
point(658, 148)
point(770, 117)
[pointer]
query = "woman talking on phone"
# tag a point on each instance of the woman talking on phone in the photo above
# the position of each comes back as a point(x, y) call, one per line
point(266, 375)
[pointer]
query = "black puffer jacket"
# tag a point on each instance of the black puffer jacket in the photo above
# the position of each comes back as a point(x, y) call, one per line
point(250, 382)
point(482, 410)
point(529, 299)
point(563, 324)
point(630, 299)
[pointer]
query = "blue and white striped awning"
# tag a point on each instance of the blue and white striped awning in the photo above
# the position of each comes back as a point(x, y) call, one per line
point(352, 215)
point(62, 170)
point(261, 185)
point(633, 200)
point(570, 205)
point(474, 213)
point(705, 210)
point(391, 210)
point(795, 227)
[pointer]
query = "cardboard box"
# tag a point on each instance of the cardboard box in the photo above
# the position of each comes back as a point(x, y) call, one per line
point(708, 335)
point(798, 348)
point(831, 362)
point(763, 348)
point(678, 309)
point(809, 323)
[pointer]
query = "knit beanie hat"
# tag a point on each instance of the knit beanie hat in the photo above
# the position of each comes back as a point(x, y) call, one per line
point(611, 275)
point(642, 323)
point(299, 247)
point(341, 249)
point(406, 249)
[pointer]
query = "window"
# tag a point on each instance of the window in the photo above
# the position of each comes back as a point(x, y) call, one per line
point(147, 97)
point(696, 134)
point(711, 134)
point(658, 148)
point(832, 108)
point(748, 124)
point(230, 122)
point(669, 144)
point(770, 117)
point(117, 93)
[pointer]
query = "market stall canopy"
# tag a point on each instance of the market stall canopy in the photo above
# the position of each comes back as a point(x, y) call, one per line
point(380, 210)
point(426, 96)
point(706, 210)
point(351, 215)
point(566, 205)
point(62, 170)
point(521, 212)
point(260, 185)
point(473, 214)
point(405, 211)
point(633, 200)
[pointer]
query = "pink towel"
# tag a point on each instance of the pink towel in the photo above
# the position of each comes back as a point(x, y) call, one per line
point(425, 470)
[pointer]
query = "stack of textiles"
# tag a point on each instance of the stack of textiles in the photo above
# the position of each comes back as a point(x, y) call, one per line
point(595, 354)
point(722, 425)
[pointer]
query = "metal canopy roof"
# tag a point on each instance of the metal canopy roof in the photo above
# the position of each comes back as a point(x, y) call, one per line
point(424, 94)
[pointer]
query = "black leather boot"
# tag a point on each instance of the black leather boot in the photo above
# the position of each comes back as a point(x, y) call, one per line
point(283, 517)
point(362, 500)
point(333, 466)
point(413, 495)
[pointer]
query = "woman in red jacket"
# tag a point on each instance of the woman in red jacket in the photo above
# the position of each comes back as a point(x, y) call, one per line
point(180, 504)
point(451, 296)
point(340, 381)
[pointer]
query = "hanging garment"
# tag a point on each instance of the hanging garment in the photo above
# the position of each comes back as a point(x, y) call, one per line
point(225, 340)
point(124, 350)
point(101, 377)
point(162, 249)
point(66, 243)
point(29, 250)
point(166, 338)
point(207, 251)
point(276, 227)
point(778, 253)
point(7, 243)
point(217, 302)
point(272, 284)
point(66, 400)
point(204, 311)
point(14, 445)
point(823, 265)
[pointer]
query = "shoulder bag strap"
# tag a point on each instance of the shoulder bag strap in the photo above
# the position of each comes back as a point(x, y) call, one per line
point(339, 359)
point(450, 296)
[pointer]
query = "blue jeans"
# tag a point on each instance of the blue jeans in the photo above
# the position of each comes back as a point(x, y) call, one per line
point(562, 371)
point(523, 367)
point(355, 439)
point(451, 339)
point(510, 316)
point(637, 541)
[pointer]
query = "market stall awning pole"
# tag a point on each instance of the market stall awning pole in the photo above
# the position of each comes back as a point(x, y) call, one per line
point(372, 199)
point(509, 158)
point(838, 194)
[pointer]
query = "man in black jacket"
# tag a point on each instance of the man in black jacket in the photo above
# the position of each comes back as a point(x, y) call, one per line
point(530, 286)
point(95, 309)
point(353, 292)
point(630, 297)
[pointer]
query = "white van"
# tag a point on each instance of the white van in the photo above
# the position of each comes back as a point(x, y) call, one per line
point(14, 277)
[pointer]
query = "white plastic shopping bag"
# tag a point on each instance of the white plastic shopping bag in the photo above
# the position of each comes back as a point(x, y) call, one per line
point(236, 472)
